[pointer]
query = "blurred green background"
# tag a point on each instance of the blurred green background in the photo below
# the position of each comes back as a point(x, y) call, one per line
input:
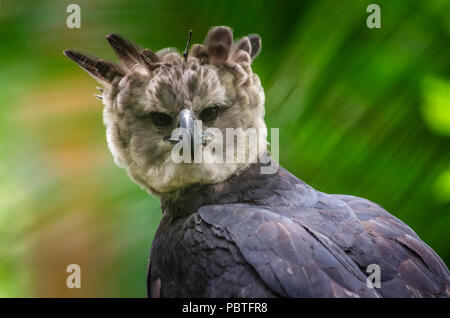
point(361, 111)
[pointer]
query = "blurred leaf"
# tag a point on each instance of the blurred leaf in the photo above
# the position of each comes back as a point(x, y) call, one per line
point(436, 106)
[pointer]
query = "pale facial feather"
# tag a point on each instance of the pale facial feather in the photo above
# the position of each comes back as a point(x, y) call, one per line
point(138, 145)
point(217, 73)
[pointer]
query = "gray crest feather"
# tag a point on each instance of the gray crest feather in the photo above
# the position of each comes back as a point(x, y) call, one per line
point(128, 52)
point(103, 71)
point(218, 43)
point(255, 41)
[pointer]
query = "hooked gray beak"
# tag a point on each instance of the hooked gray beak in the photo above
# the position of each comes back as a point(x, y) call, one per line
point(186, 121)
point(196, 137)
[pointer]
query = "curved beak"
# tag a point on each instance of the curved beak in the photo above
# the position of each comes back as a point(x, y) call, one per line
point(186, 121)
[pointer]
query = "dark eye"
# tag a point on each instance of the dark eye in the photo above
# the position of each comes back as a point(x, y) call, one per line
point(209, 114)
point(161, 119)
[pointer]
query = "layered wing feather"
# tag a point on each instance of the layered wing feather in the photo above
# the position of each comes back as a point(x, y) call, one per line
point(305, 243)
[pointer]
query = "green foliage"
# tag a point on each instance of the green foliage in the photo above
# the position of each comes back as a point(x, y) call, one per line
point(361, 111)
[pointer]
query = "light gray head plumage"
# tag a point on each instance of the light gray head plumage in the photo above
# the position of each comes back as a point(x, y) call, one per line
point(144, 95)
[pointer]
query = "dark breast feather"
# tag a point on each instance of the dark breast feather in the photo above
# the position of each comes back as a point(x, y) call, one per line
point(190, 258)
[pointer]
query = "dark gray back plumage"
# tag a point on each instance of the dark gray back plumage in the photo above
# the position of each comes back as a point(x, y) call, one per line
point(273, 235)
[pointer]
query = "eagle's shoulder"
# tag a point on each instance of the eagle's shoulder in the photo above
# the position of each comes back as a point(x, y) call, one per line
point(292, 260)
point(305, 243)
point(287, 238)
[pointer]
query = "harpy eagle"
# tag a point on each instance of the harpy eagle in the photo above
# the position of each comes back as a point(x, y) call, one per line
point(229, 230)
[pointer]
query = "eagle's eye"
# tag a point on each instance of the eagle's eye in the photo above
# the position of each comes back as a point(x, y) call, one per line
point(161, 119)
point(209, 114)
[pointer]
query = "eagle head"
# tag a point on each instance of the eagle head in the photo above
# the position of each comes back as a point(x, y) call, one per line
point(150, 97)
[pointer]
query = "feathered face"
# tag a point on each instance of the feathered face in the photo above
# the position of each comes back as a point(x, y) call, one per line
point(150, 95)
